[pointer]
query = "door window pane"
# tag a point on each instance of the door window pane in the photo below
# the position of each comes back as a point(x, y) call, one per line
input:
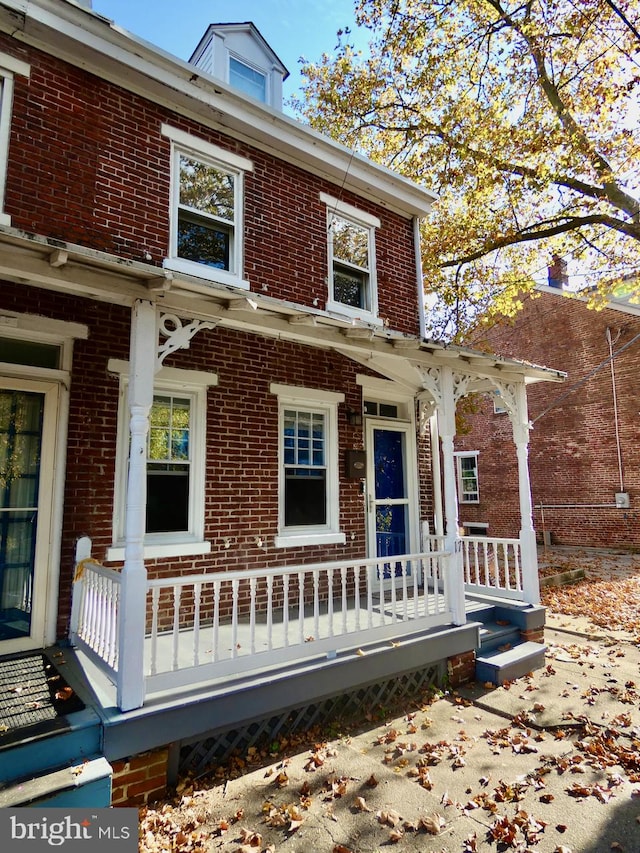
point(389, 464)
point(20, 443)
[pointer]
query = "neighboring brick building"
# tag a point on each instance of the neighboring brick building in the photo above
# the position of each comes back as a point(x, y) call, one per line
point(216, 399)
point(584, 453)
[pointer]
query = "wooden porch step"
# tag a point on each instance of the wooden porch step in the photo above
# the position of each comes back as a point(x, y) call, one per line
point(495, 636)
point(49, 746)
point(88, 785)
point(498, 667)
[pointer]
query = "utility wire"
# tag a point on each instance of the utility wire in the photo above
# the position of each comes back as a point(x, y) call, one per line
point(586, 378)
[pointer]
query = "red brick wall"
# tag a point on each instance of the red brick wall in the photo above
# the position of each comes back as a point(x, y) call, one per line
point(88, 165)
point(573, 454)
point(140, 779)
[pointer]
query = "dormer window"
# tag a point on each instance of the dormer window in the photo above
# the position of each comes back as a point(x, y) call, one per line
point(249, 80)
point(238, 55)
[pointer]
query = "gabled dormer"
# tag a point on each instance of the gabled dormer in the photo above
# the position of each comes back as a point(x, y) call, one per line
point(238, 55)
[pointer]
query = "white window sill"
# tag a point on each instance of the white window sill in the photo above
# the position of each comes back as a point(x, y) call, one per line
point(5, 219)
point(353, 313)
point(300, 540)
point(205, 272)
point(169, 549)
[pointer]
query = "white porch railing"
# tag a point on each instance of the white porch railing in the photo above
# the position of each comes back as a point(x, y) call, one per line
point(492, 566)
point(228, 623)
point(94, 613)
point(207, 626)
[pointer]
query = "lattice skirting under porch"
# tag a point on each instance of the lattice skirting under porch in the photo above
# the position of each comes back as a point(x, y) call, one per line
point(198, 757)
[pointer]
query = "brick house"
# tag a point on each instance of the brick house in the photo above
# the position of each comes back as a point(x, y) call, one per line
point(584, 455)
point(224, 478)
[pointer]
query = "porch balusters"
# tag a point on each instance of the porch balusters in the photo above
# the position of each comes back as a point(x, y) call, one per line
point(253, 614)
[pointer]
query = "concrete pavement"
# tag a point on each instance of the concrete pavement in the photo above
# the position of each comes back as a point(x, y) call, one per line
point(548, 763)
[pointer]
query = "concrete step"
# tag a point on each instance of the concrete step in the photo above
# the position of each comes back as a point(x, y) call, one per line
point(86, 785)
point(49, 745)
point(496, 667)
point(498, 636)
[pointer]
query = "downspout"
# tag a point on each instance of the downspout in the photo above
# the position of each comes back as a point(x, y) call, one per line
point(419, 281)
point(615, 405)
point(434, 434)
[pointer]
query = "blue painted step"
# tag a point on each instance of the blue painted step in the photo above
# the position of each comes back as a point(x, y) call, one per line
point(495, 636)
point(86, 785)
point(497, 667)
point(49, 746)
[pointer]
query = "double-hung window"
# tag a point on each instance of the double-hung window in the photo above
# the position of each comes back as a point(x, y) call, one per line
point(352, 264)
point(9, 66)
point(249, 80)
point(467, 469)
point(206, 209)
point(175, 463)
point(308, 473)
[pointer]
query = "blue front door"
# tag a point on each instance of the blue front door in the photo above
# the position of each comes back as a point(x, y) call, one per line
point(389, 494)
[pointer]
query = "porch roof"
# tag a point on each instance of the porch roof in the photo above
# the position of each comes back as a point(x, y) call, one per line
point(75, 269)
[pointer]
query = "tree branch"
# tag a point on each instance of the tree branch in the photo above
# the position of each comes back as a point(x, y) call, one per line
point(543, 230)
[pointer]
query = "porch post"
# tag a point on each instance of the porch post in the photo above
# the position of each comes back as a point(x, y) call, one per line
point(447, 430)
point(132, 614)
point(528, 550)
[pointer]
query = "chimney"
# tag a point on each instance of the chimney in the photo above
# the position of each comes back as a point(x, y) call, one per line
point(557, 271)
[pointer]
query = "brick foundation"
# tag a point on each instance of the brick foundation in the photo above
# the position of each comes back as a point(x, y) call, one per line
point(461, 668)
point(533, 635)
point(139, 779)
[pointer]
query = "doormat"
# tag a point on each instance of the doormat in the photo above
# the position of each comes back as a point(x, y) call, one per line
point(32, 692)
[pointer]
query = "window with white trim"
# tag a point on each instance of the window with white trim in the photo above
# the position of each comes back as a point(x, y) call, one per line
point(248, 79)
point(467, 470)
point(499, 407)
point(176, 444)
point(308, 466)
point(9, 66)
point(206, 209)
point(352, 267)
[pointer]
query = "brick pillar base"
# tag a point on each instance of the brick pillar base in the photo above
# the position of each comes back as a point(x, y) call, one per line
point(461, 668)
point(533, 635)
point(139, 779)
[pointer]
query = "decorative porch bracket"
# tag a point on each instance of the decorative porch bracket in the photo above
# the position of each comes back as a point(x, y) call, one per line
point(513, 395)
point(146, 358)
point(178, 334)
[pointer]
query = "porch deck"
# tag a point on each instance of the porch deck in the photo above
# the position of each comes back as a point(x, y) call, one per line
point(225, 649)
point(199, 709)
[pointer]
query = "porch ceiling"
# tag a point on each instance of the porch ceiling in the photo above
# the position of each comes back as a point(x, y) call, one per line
point(69, 268)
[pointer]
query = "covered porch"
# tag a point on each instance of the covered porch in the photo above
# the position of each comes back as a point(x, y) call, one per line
point(151, 635)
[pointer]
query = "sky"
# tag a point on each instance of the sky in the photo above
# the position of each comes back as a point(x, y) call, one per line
point(293, 28)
